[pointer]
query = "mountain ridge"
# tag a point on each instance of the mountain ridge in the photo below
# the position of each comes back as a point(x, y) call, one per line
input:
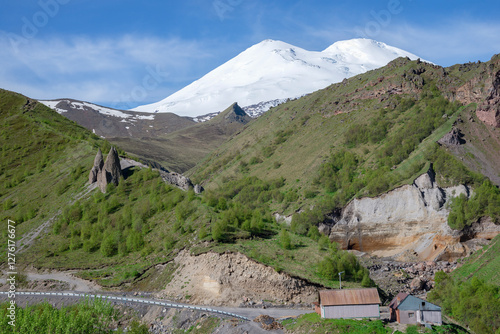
point(108, 122)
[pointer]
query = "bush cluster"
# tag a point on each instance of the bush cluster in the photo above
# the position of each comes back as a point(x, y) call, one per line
point(338, 261)
point(474, 302)
point(86, 317)
point(117, 222)
point(242, 207)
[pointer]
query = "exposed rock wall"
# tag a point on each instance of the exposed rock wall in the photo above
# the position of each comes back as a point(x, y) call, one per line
point(489, 110)
point(483, 89)
point(232, 279)
point(408, 223)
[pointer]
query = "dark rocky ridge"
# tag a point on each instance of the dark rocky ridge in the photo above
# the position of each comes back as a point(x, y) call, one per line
point(110, 171)
point(132, 125)
point(236, 114)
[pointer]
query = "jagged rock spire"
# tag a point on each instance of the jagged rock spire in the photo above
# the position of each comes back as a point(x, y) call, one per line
point(111, 170)
point(106, 172)
point(98, 164)
point(99, 160)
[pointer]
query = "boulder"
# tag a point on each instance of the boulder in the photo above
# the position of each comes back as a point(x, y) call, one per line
point(417, 283)
point(452, 138)
point(425, 181)
point(198, 189)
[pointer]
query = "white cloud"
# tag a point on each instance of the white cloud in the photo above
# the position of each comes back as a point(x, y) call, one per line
point(103, 69)
point(445, 43)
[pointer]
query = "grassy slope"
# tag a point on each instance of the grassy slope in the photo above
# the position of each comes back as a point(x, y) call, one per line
point(484, 264)
point(45, 160)
point(317, 124)
point(45, 164)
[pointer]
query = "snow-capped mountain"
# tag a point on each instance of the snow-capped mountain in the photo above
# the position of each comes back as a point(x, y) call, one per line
point(272, 71)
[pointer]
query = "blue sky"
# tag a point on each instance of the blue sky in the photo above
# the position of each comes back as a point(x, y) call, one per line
point(124, 53)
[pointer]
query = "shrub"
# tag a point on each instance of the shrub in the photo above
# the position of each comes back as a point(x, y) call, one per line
point(135, 242)
point(474, 302)
point(323, 242)
point(108, 246)
point(285, 240)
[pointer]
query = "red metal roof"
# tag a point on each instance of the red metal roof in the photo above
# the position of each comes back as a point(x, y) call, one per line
point(349, 297)
point(397, 300)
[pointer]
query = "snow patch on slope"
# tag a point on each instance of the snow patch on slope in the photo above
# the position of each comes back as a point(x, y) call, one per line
point(80, 105)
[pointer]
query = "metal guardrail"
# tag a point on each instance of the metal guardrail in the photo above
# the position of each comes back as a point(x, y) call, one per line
point(133, 300)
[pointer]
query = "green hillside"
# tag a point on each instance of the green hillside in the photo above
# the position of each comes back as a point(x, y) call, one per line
point(44, 165)
point(471, 293)
point(484, 264)
point(362, 137)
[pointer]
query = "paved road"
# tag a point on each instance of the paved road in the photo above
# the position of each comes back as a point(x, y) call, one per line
point(237, 312)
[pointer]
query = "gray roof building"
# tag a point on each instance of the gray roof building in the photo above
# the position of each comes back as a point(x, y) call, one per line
point(408, 309)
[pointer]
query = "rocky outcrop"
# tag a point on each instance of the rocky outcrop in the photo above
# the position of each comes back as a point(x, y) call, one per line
point(237, 115)
point(177, 180)
point(408, 223)
point(489, 110)
point(198, 189)
point(452, 138)
point(233, 279)
point(484, 229)
point(98, 164)
point(483, 88)
point(106, 172)
point(180, 181)
point(111, 172)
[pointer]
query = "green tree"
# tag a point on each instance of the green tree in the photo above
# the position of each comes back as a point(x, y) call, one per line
point(323, 242)
point(108, 246)
point(135, 241)
point(366, 282)
point(285, 240)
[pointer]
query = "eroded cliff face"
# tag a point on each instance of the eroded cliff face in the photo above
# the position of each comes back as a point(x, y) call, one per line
point(408, 223)
point(483, 89)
